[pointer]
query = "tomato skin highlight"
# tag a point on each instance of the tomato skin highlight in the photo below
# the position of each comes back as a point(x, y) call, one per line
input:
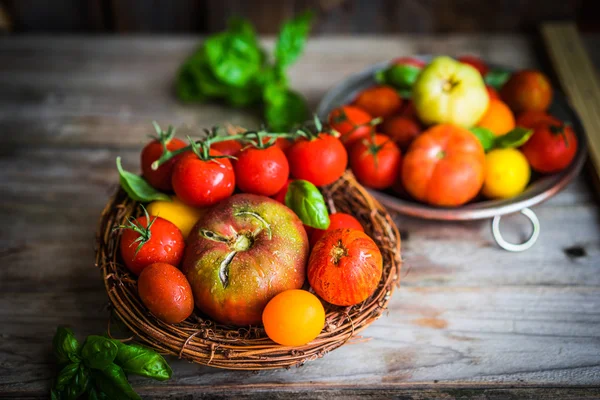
point(320, 161)
point(166, 245)
point(551, 148)
point(355, 126)
point(377, 169)
point(345, 267)
point(160, 178)
point(165, 291)
point(336, 221)
point(444, 166)
point(261, 171)
point(200, 183)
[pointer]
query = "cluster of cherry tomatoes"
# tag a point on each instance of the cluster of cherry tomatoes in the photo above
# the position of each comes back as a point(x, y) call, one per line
point(202, 174)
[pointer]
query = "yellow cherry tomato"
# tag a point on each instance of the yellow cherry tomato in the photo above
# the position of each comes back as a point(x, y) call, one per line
point(175, 211)
point(507, 173)
point(293, 317)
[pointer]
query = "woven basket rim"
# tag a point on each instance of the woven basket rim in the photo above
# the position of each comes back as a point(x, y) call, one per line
point(200, 340)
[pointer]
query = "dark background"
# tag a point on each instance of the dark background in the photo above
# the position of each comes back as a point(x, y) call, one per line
point(334, 16)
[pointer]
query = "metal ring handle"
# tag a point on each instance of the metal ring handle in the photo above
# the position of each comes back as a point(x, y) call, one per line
point(535, 223)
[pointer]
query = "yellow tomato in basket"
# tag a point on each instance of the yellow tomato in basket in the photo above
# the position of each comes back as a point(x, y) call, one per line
point(177, 212)
point(507, 173)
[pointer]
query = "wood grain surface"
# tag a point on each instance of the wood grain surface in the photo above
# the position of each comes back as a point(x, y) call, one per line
point(469, 321)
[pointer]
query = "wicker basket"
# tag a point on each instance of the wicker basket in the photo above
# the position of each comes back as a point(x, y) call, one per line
point(201, 340)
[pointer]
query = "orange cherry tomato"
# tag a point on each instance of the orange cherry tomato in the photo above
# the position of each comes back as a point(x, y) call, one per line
point(379, 101)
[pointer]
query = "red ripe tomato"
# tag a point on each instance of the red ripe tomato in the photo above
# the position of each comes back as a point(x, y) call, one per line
point(415, 62)
point(321, 160)
point(444, 166)
point(200, 183)
point(261, 171)
point(148, 240)
point(476, 63)
point(375, 161)
point(166, 292)
point(352, 123)
point(401, 130)
point(336, 221)
point(379, 101)
point(408, 110)
point(345, 267)
point(161, 177)
point(227, 147)
point(551, 148)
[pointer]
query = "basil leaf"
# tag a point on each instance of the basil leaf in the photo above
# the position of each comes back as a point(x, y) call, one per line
point(137, 188)
point(485, 137)
point(66, 375)
point(515, 138)
point(65, 346)
point(292, 37)
point(307, 202)
point(113, 384)
point(98, 352)
point(139, 360)
point(496, 78)
point(284, 108)
point(234, 56)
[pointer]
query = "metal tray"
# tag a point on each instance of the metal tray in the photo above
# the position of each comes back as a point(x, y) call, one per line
point(541, 188)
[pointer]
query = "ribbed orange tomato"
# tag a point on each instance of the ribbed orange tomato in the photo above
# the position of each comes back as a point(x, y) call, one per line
point(345, 267)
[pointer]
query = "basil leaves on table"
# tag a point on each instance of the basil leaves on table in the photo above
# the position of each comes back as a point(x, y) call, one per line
point(100, 367)
point(307, 202)
point(137, 188)
point(232, 66)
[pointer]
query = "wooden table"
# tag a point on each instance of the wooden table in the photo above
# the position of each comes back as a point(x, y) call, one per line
point(469, 319)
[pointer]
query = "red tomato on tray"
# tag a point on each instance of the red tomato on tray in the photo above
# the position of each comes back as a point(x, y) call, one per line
point(352, 123)
point(375, 161)
point(551, 148)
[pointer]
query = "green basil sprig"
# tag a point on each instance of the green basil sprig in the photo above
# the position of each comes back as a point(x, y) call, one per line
point(232, 66)
point(515, 138)
point(308, 203)
point(99, 367)
point(137, 188)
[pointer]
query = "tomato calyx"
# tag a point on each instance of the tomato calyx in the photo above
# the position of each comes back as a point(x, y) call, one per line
point(143, 231)
point(559, 130)
point(161, 136)
point(338, 252)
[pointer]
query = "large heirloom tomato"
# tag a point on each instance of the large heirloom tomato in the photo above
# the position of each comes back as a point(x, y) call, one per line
point(444, 166)
point(345, 267)
point(241, 254)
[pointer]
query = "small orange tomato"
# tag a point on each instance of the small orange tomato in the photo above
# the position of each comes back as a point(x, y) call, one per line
point(293, 317)
point(402, 130)
point(166, 292)
point(379, 101)
point(345, 267)
point(336, 221)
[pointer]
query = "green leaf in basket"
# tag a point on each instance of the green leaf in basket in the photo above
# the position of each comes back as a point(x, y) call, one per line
point(515, 138)
point(485, 137)
point(307, 202)
point(497, 77)
point(137, 188)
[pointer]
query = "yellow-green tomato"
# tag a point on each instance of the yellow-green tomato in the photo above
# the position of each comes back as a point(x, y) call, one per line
point(177, 212)
point(448, 91)
point(507, 173)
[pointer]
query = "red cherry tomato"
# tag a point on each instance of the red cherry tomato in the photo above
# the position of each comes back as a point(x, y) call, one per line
point(166, 292)
point(375, 162)
point(200, 183)
point(352, 123)
point(408, 110)
point(261, 171)
point(160, 178)
point(551, 148)
point(379, 101)
point(415, 62)
point(401, 130)
point(476, 63)
point(161, 242)
point(320, 161)
point(227, 147)
point(336, 221)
